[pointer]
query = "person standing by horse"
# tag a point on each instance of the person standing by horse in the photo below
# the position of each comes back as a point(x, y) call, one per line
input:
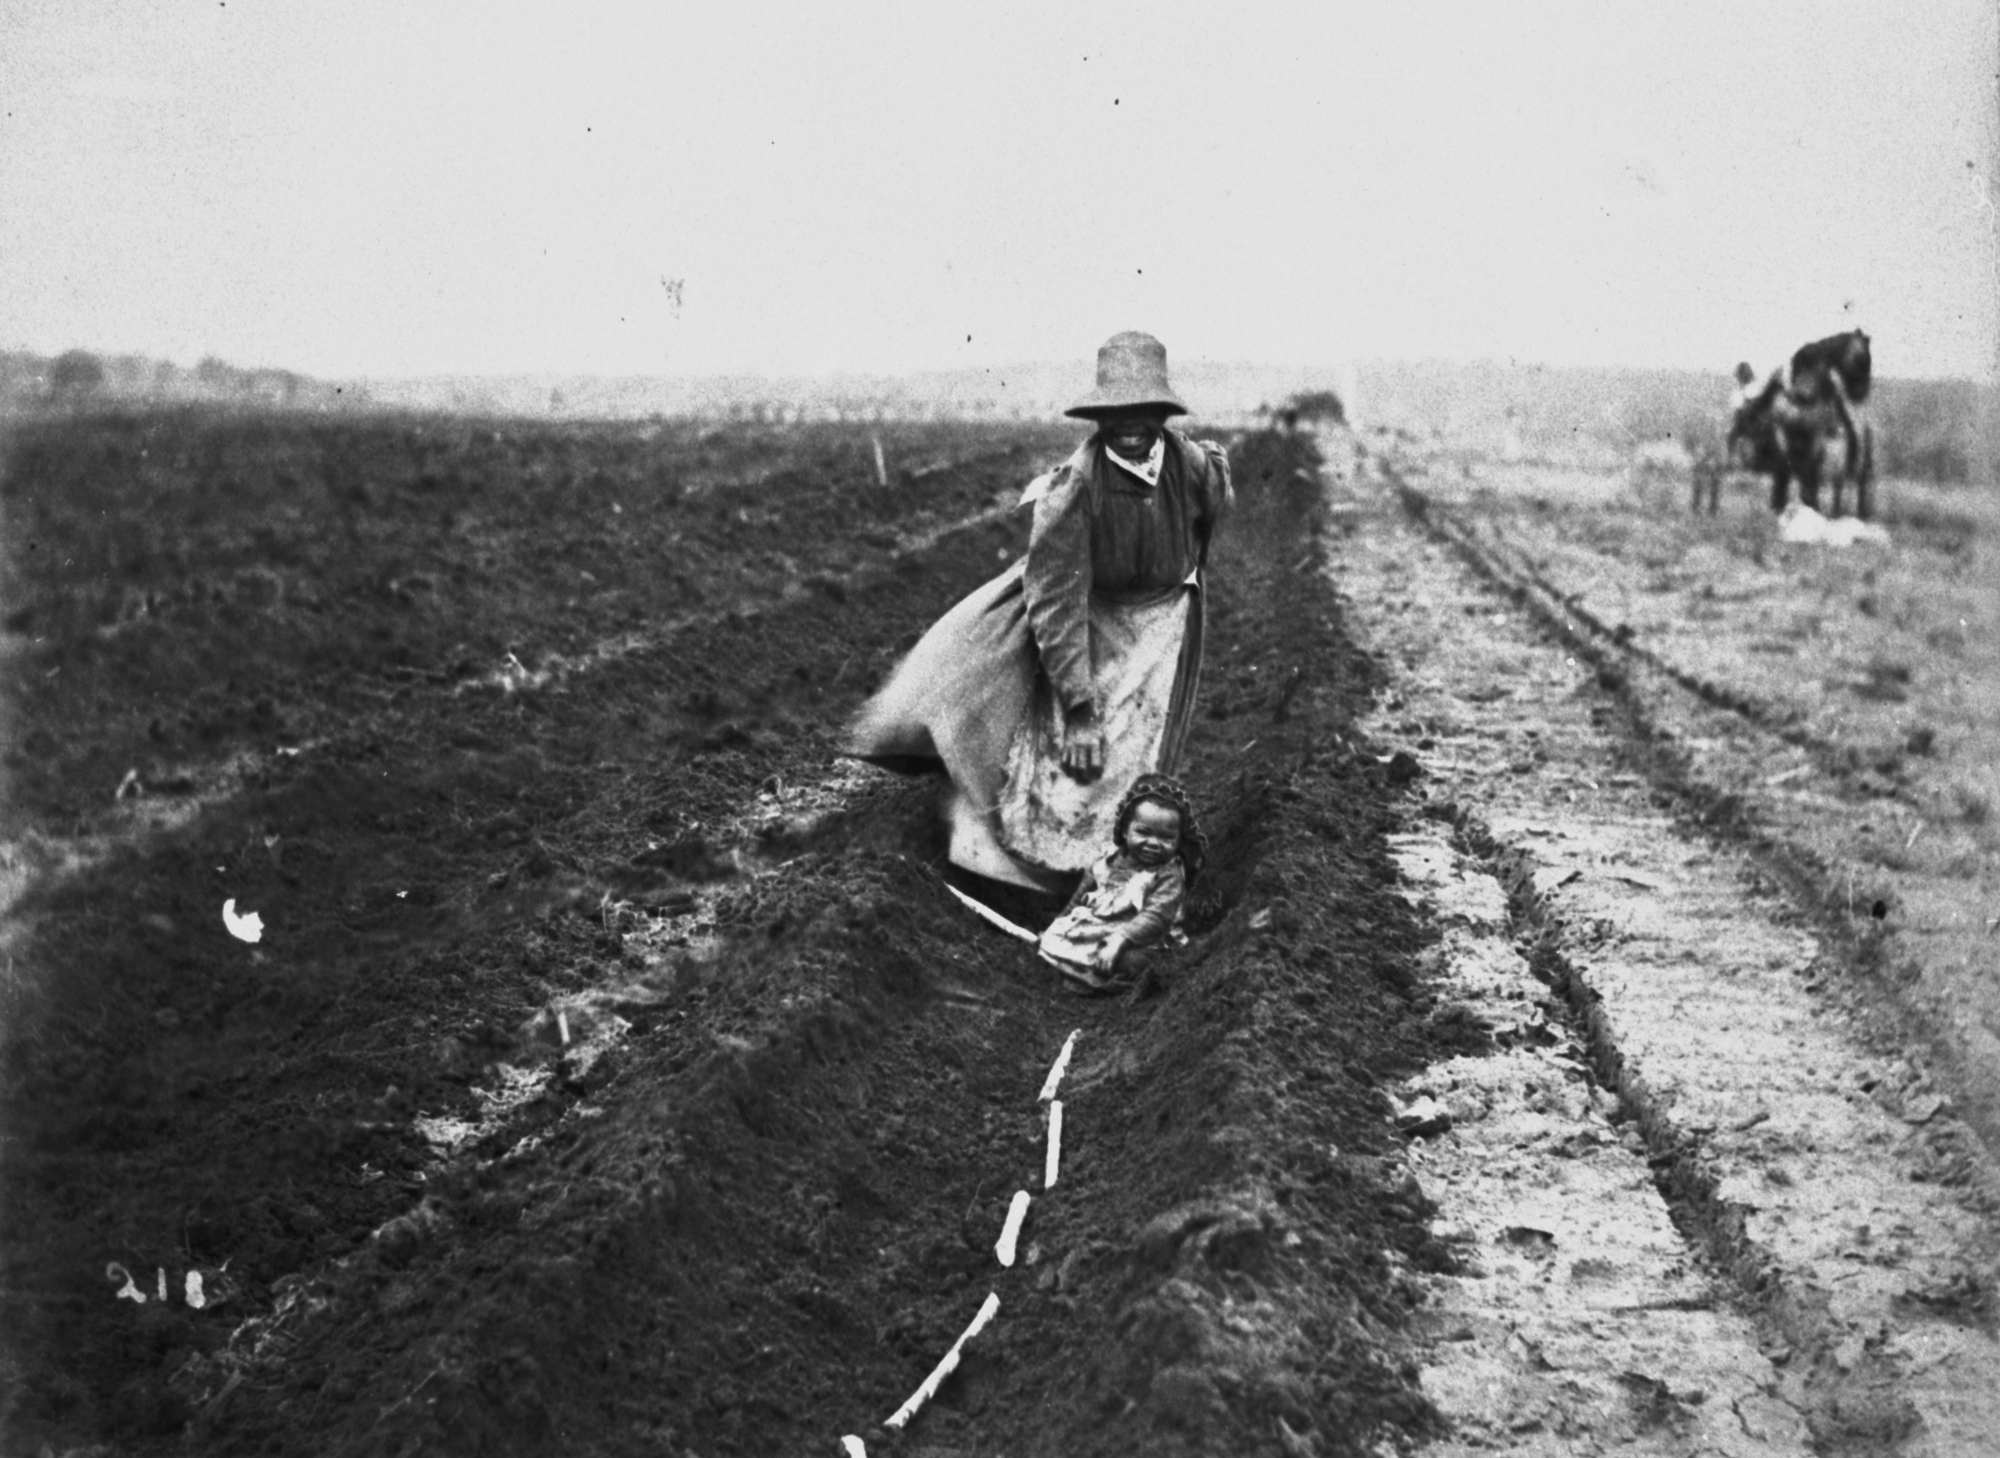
point(1782, 428)
point(1045, 694)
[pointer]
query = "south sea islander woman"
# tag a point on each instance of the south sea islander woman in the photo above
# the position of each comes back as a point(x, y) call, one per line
point(1046, 693)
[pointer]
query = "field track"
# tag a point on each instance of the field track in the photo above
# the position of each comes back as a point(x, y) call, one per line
point(1789, 1106)
point(617, 1075)
point(1663, 703)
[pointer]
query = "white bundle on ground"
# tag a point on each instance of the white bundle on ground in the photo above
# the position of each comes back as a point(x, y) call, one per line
point(1011, 1231)
point(1800, 523)
point(853, 1447)
point(1055, 1145)
point(1062, 1066)
point(946, 1367)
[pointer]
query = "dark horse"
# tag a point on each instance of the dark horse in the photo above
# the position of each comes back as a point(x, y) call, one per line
point(1784, 430)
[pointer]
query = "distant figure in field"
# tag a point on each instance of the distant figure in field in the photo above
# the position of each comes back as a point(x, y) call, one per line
point(1709, 466)
point(1746, 391)
point(1045, 694)
point(1782, 429)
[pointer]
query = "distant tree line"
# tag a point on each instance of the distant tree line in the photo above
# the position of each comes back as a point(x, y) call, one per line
point(78, 377)
point(75, 374)
point(1307, 407)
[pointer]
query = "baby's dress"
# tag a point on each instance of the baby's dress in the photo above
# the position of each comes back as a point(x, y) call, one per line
point(1117, 894)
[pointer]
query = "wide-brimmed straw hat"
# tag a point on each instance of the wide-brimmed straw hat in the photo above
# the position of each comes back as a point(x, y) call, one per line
point(1131, 372)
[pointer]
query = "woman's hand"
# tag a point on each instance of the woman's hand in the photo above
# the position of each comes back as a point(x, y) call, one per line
point(1107, 955)
point(1083, 743)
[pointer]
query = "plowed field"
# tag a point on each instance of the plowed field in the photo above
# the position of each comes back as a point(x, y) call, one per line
point(1586, 1044)
point(615, 1073)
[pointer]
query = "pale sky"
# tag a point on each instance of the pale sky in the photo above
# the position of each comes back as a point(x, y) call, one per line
point(354, 188)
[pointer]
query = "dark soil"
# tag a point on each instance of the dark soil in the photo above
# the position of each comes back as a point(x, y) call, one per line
point(759, 1220)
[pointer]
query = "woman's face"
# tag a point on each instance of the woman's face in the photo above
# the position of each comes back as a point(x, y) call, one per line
point(1153, 833)
point(1131, 433)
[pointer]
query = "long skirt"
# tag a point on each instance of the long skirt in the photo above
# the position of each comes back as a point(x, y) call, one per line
point(971, 699)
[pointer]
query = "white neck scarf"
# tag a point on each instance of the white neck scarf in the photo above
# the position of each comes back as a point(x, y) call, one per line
point(1147, 470)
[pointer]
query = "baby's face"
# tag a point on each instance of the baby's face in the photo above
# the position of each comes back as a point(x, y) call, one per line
point(1153, 834)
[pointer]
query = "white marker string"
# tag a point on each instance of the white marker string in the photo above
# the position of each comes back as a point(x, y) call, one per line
point(988, 914)
point(1061, 1067)
point(1055, 1145)
point(1011, 1231)
point(1010, 1234)
point(944, 1368)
